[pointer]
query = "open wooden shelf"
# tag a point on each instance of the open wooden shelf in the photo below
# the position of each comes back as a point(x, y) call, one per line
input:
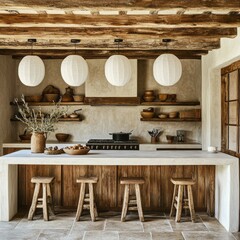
point(158, 103)
point(78, 119)
point(171, 119)
point(50, 103)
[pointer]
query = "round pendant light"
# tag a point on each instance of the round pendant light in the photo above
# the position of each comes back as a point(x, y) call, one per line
point(118, 70)
point(74, 70)
point(31, 69)
point(167, 69)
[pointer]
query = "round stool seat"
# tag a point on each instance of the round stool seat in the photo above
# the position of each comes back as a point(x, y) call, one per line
point(132, 180)
point(183, 181)
point(42, 179)
point(87, 180)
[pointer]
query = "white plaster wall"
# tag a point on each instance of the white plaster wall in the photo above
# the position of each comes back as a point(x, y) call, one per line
point(101, 120)
point(211, 88)
point(7, 86)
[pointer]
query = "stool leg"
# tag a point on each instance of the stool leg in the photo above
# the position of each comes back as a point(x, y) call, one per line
point(185, 196)
point(125, 203)
point(44, 202)
point(173, 200)
point(179, 203)
point(50, 200)
point(91, 201)
point(190, 202)
point(139, 203)
point(34, 201)
point(95, 210)
point(80, 201)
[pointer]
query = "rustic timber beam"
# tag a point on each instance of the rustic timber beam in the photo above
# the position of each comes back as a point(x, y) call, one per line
point(148, 21)
point(110, 33)
point(134, 44)
point(103, 54)
point(121, 4)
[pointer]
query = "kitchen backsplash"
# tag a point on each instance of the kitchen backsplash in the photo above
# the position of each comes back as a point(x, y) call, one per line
point(99, 121)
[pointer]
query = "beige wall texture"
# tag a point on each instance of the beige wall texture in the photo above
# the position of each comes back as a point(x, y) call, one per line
point(7, 86)
point(99, 121)
point(211, 88)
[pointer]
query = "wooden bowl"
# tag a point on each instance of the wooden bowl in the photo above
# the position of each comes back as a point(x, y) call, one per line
point(163, 115)
point(149, 93)
point(163, 97)
point(34, 98)
point(78, 98)
point(173, 114)
point(147, 114)
point(51, 97)
point(25, 137)
point(76, 151)
point(170, 138)
point(62, 137)
point(150, 109)
point(149, 98)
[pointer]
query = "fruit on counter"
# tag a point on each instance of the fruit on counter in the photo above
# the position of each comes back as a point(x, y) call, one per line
point(77, 147)
point(53, 150)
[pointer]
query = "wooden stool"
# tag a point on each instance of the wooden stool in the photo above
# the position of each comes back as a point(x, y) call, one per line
point(86, 201)
point(132, 202)
point(184, 197)
point(46, 202)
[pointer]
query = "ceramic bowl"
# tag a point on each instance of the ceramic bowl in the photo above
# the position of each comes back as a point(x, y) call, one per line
point(170, 138)
point(76, 151)
point(149, 98)
point(51, 97)
point(147, 114)
point(163, 115)
point(173, 114)
point(62, 137)
point(163, 97)
point(149, 93)
point(25, 137)
point(78, 98)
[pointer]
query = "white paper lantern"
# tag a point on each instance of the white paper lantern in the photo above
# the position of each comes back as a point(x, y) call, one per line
point(31, 70)
point(167, 69)
point(74, 70)
point(118, 70)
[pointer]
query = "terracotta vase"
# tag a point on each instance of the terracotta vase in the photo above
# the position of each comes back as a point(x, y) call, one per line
point(38, 142)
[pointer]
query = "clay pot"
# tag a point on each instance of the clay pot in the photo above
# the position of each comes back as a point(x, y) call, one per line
point(38, 142)
point(68, 95)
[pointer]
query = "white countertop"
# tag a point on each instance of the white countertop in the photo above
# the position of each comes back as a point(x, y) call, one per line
point(142, 146)
point(114, 158)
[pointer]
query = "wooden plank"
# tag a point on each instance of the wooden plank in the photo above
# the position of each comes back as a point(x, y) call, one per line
point(122, 5)
point(148, 21)
point(108, 44)
point(170, 120)
point(112, 101)
point(101, 54)
point(112, 33)
point(159, 103)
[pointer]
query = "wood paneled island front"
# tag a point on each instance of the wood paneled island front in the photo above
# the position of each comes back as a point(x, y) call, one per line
point(157, 167)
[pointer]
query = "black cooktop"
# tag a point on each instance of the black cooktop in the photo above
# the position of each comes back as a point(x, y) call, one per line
point(110, 141)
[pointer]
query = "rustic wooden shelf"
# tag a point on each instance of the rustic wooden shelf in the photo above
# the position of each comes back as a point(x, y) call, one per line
point(158, 103)
point(50, 103)
point(171, 119)
point(78, 119)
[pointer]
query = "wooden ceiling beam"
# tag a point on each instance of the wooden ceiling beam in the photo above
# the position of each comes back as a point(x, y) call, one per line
point(103, 54)
point(121, 4)
point(134, 44)
point(112, 33)
point(125, 21)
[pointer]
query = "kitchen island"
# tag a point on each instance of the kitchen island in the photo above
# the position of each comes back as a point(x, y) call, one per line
point(226, 176)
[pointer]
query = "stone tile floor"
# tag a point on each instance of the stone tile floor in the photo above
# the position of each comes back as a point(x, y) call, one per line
point(108, 226)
